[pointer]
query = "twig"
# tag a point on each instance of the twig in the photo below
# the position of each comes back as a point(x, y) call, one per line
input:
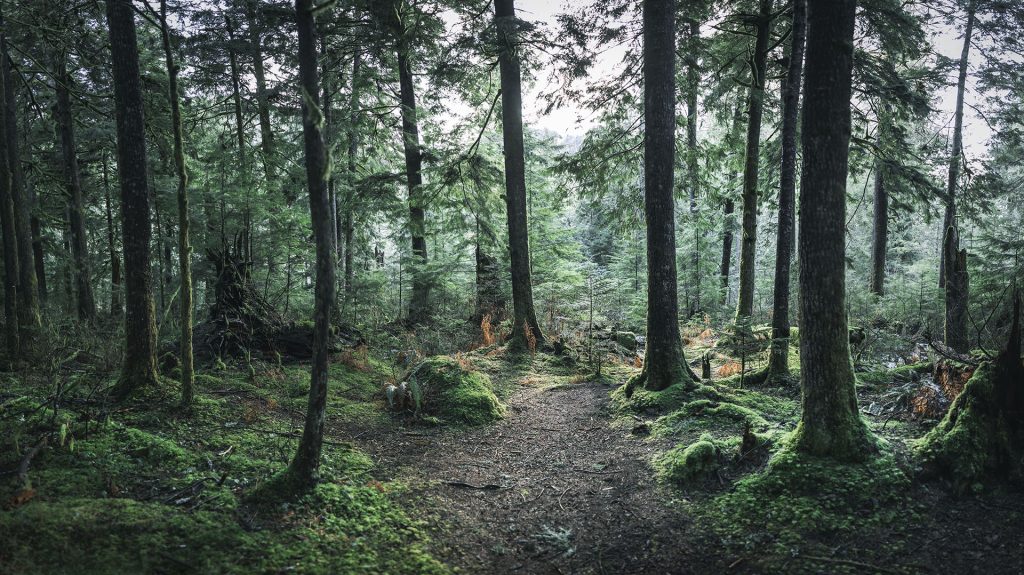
point(486, 487)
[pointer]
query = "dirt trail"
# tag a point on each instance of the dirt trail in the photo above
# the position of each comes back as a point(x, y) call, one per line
point(553, 488)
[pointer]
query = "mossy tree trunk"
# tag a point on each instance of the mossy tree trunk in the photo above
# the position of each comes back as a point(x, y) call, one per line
point(755, 111)
point(304, 468)
point(830, 424)
point(778, 359)
point(957, 290)
point(664, 363)
point(140, 318)
point(524, 314)
point(184, 248)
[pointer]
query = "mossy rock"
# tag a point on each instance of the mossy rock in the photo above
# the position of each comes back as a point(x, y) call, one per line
point(445, 388)
point(683, 466)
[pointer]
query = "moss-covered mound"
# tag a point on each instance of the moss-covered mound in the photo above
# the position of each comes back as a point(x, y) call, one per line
point(451, 391)
point(981, 436)
point(685, 464)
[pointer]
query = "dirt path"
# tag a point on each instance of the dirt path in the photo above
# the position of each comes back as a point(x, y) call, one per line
point(553, 488)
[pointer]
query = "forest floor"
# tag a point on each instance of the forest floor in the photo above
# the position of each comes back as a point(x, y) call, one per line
point(574, 478)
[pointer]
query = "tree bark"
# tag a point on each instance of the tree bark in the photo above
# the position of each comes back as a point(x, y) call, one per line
point(305, 466)
point(524, 314)
point(115, 260)
point(10, 246)
point(830, 424)
point(664, 364)
point(29, 317)
point(778, 359)
point(140, 322)
point(879, 227)
point(184, 248)
point(350, 193)
point(692, 173)
point(957, 290)
point(262, 102)
point(949, 218)
point(755, 111)
point(419, 311)
point(86, 304)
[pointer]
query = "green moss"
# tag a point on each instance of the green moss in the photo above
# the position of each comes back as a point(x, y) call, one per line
point(646, 401)
point(801, 501)
point(444, 388)
point(682, 466)
point(889, 377)
point(709, 414)
point(975, 440)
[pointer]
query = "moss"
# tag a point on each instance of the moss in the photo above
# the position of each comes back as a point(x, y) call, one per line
point(682, 466)
point(975, 440)
point(443, 387)
point(646, 401)
point(889, 377)
point(801, 501)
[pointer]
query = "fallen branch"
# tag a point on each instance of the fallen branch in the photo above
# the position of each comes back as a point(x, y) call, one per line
point(486, 487)
point(27, 460)
point(850, 563)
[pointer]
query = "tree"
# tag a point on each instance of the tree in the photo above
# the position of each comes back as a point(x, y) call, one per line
point(304, 468)
point(755, 111)
point(139, 367)
point(184, 248)
point(524, 316)
point(778, 359)
point(953, 260)
point(664, 364)
point(830, 424)
point(10, 249)
point(76, 207)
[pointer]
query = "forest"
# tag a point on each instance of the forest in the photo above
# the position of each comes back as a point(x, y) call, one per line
point(511, 286)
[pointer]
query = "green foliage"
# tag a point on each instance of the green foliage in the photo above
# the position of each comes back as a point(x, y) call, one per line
point(682, 465)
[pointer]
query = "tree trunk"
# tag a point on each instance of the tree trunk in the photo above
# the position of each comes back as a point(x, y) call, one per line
point(115, 261)
point(830, 424)
point(262, 102)
point(184, 249)
point(86, 304)
point(728, 224)
point(419, 311)
point(28, 288)
point(778, 359)
point(957, 290)
point(949, 219)
point(140, 323)
point(524, 314)
point(879, 228)
point(38, 256)
point(692, 173)
point(10, 248)
point(305, 466)
point(755, 109)
point(664, 364)
point(350, 193)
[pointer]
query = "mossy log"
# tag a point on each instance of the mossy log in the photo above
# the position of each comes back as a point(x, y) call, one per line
point(982, 435)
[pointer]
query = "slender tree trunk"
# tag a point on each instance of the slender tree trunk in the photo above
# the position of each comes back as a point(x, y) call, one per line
point(115, 260)
point(728, 224)
point(692, 173)
point(755, 109)
point(28, 301)
point(949, 219)
point(10, 247)
point(184, 248)
point(76, 206)
point(956, 292)
point(664, 364)
point(880, 225)
point(524, 314)
point(38, 255)
point(830, 424)
point(305, 466)
point(262, 102)
point(778, 359)
point(140, 322)
point(236, 95)
point(350, 193)
point(419, 311)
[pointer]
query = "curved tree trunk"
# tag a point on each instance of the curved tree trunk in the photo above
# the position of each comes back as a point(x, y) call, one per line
point(778, 359)
point(524, 314)
point(305, 466)
point(664, 364)
point(830, 424)
point(755, 110)
point(140, 319)
point(184, 249)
